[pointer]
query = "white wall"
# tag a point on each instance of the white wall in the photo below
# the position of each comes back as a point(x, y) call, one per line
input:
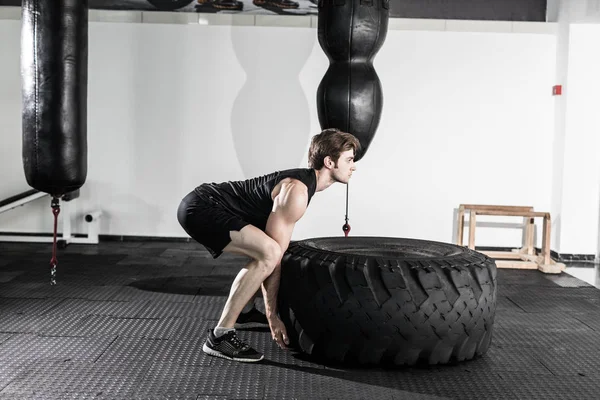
point(581, 189)
point(467, 119)
point(576, 168)
point(560, 12)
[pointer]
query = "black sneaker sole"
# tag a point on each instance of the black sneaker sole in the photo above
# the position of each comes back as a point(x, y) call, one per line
point(217, 353)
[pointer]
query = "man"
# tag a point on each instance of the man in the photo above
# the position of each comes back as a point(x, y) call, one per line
point(256, 218)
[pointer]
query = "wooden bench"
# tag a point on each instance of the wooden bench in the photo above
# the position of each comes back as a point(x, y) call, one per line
point(523, 258)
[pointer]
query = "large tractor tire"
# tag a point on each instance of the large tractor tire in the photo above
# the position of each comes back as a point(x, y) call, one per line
point(374, 300)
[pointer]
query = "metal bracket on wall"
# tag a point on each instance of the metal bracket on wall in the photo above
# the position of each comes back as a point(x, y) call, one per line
point(67, 215)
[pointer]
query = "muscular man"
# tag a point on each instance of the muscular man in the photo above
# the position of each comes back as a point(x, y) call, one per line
point(256, 218)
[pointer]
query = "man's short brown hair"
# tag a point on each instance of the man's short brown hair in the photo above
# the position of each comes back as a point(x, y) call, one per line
point(330, 142)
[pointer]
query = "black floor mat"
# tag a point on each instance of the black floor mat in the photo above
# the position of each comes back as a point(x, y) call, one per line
point(128, 320)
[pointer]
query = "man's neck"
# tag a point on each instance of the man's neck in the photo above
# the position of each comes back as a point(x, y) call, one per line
point(324, 180)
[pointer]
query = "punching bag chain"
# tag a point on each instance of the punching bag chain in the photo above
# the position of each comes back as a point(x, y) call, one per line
point(346, 228)
point(54, 261)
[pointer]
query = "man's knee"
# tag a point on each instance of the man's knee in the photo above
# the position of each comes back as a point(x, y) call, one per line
point(271, 254)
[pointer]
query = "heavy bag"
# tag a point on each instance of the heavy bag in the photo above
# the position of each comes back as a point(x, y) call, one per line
point(350, 97)
point(54, 62)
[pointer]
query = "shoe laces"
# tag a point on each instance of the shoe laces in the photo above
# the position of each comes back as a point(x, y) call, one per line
point(237, 342)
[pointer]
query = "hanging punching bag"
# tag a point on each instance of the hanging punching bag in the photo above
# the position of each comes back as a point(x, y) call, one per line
point(54, 56)
point(54, 51)
point(349, 97)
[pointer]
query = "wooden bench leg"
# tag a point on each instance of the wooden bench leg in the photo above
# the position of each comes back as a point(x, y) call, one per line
point(547, 264)
point(529, 234)
point(546, 240)
point(461, 226)
point(472, 224)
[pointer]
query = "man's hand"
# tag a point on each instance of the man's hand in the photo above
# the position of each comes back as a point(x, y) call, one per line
point(278, 332)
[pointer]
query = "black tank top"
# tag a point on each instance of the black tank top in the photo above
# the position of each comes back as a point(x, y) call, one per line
point(251, 199)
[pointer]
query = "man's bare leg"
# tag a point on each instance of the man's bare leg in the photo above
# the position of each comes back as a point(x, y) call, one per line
point(243, 289)
point(251, 303)
point(265, 254)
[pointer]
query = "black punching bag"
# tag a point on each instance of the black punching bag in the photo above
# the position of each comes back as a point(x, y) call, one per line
point(349, 97)
point(54, 56)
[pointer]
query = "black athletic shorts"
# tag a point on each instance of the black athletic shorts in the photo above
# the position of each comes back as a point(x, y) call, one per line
point(207, 222)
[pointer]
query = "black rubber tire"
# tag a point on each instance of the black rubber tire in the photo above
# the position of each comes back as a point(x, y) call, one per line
point(169, 5)
point(374, 300)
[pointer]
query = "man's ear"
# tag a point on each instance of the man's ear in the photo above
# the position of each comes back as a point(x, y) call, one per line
point(328, 162)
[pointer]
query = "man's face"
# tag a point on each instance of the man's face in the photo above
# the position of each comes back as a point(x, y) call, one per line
point(344, 167)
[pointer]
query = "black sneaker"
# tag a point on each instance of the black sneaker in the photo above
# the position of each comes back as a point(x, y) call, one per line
point(230, 347)
point(252, 319)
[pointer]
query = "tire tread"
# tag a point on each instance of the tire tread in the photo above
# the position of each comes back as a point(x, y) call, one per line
point(401, 312)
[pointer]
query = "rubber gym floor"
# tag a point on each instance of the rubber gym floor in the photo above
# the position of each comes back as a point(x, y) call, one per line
point(127, 320)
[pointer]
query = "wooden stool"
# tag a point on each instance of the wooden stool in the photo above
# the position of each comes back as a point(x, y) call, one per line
point(526, 254)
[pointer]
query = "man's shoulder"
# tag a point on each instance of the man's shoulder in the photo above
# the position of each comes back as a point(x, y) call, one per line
point(295, 187)
point(292, 199)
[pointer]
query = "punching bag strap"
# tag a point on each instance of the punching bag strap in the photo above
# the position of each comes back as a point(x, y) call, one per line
point(54, 260)
point(346, 228)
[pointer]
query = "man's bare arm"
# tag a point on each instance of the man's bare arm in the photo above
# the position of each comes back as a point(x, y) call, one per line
point(288, 207)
